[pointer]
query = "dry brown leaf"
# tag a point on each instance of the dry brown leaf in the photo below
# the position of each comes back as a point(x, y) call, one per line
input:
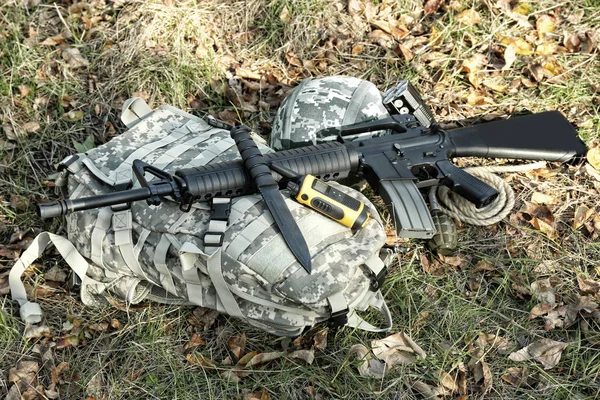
point(308, 356)
point(237, 345)
point(285, 15)
point(588, 286)
point(546, 49)
point(593, 157)
point(265, 357)
point(397, 349)
point(74, 58)
point(455, 381)
point(432, 6)
point(542, 198)
point(246, 358)
point(262, 395)
point(521, 46)
point(230, 376)
point(469, 17)
point(545, 24)
point(572, 42)
point(73, 115)
point(381, 38)
point(200, 360)
point(497, 342)
point(56, 40)
point(194, 342)
point(32, 127)
point(481, 372)
point(427, 391)
point(247, 74)
point(36, 331)
point(420, 320)
point(496, 84)
point(320, 339)
point(546, 351)
point(369, 367)
point(25, 372)
point(515, 376)
point(357, 49)
point(355, 7)
point(510, 56)
point(472, 66)
point(582, 215)
point(476, 98)
point(543, 291)
point(56, 274)
point(541, 309)
point(67, 341)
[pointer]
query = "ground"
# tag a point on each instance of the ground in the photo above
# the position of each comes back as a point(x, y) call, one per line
point(67, 67)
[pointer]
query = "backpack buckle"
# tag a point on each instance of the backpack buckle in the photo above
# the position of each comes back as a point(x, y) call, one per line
point(220, 208)
point(378, 279)
point(338, 318)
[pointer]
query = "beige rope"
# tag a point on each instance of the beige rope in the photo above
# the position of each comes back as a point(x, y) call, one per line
point(456, 206)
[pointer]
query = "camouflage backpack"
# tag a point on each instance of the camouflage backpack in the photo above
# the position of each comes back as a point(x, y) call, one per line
point(160, 253)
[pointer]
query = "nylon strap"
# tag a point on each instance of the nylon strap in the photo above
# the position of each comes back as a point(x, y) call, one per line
point(160, 260)
point(210, 153)
point(31, 312)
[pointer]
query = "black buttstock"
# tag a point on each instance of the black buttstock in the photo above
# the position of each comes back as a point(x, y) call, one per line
point(545, 136)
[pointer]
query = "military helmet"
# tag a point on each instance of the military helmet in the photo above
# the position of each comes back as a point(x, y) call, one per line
point(319, 103)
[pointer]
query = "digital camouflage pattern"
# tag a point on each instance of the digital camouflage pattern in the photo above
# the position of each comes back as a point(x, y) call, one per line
point(316, 104)
point(144, 252)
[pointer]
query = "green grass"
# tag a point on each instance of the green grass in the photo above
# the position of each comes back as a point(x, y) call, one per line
point(151, 48)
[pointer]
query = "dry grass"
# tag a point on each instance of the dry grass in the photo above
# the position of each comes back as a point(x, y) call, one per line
point(190, 54)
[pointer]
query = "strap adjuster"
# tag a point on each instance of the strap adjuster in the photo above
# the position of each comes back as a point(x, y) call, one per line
point(220, 210)
point(210, 239)
point(338, 318)
point(377, 280)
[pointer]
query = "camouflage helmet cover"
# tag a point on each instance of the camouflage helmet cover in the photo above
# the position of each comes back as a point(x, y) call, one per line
point(321, 103)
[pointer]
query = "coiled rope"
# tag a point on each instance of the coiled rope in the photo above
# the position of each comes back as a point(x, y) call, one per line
point(456, 206)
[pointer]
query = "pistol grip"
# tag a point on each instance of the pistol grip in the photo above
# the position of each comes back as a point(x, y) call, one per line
point(408, 207)
point(471, 188)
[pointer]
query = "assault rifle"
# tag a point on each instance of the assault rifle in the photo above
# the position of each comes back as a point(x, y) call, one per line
point(415, 154)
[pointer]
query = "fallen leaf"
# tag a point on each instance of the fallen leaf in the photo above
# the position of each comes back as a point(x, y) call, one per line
point(357, 49)
point(582, 215)
point(496, 84)
point(546, 49)
point(74, 58)
point(355, 7)
point(381, 38)
point(67, 341)
point(593, 157)
point(56, 274)
point(546, 351)
point(36, 331)
point(481, 373)
point(542, 198)
point(308, 356)
point(497, 342)
point(56, 40)
point(510, 56)
point(237, 346)
point(397, 349)
point(469, 17)
point(541, 309)
point(572, 42)
point(369, 367)
point(194, 342)
point(472, 66)
point(285, 15)
point(432, 6)
point(320, 339)
point(588, 286)
point(545, 24)
point(454, 381)
point(427, 391)
point(420, 320)
point(230, 376)
point(200, 360)
point(265, 357)
point(262, 395)
point(31, 127)
point(515, 376)
point(543, 291)
point(73, 115)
